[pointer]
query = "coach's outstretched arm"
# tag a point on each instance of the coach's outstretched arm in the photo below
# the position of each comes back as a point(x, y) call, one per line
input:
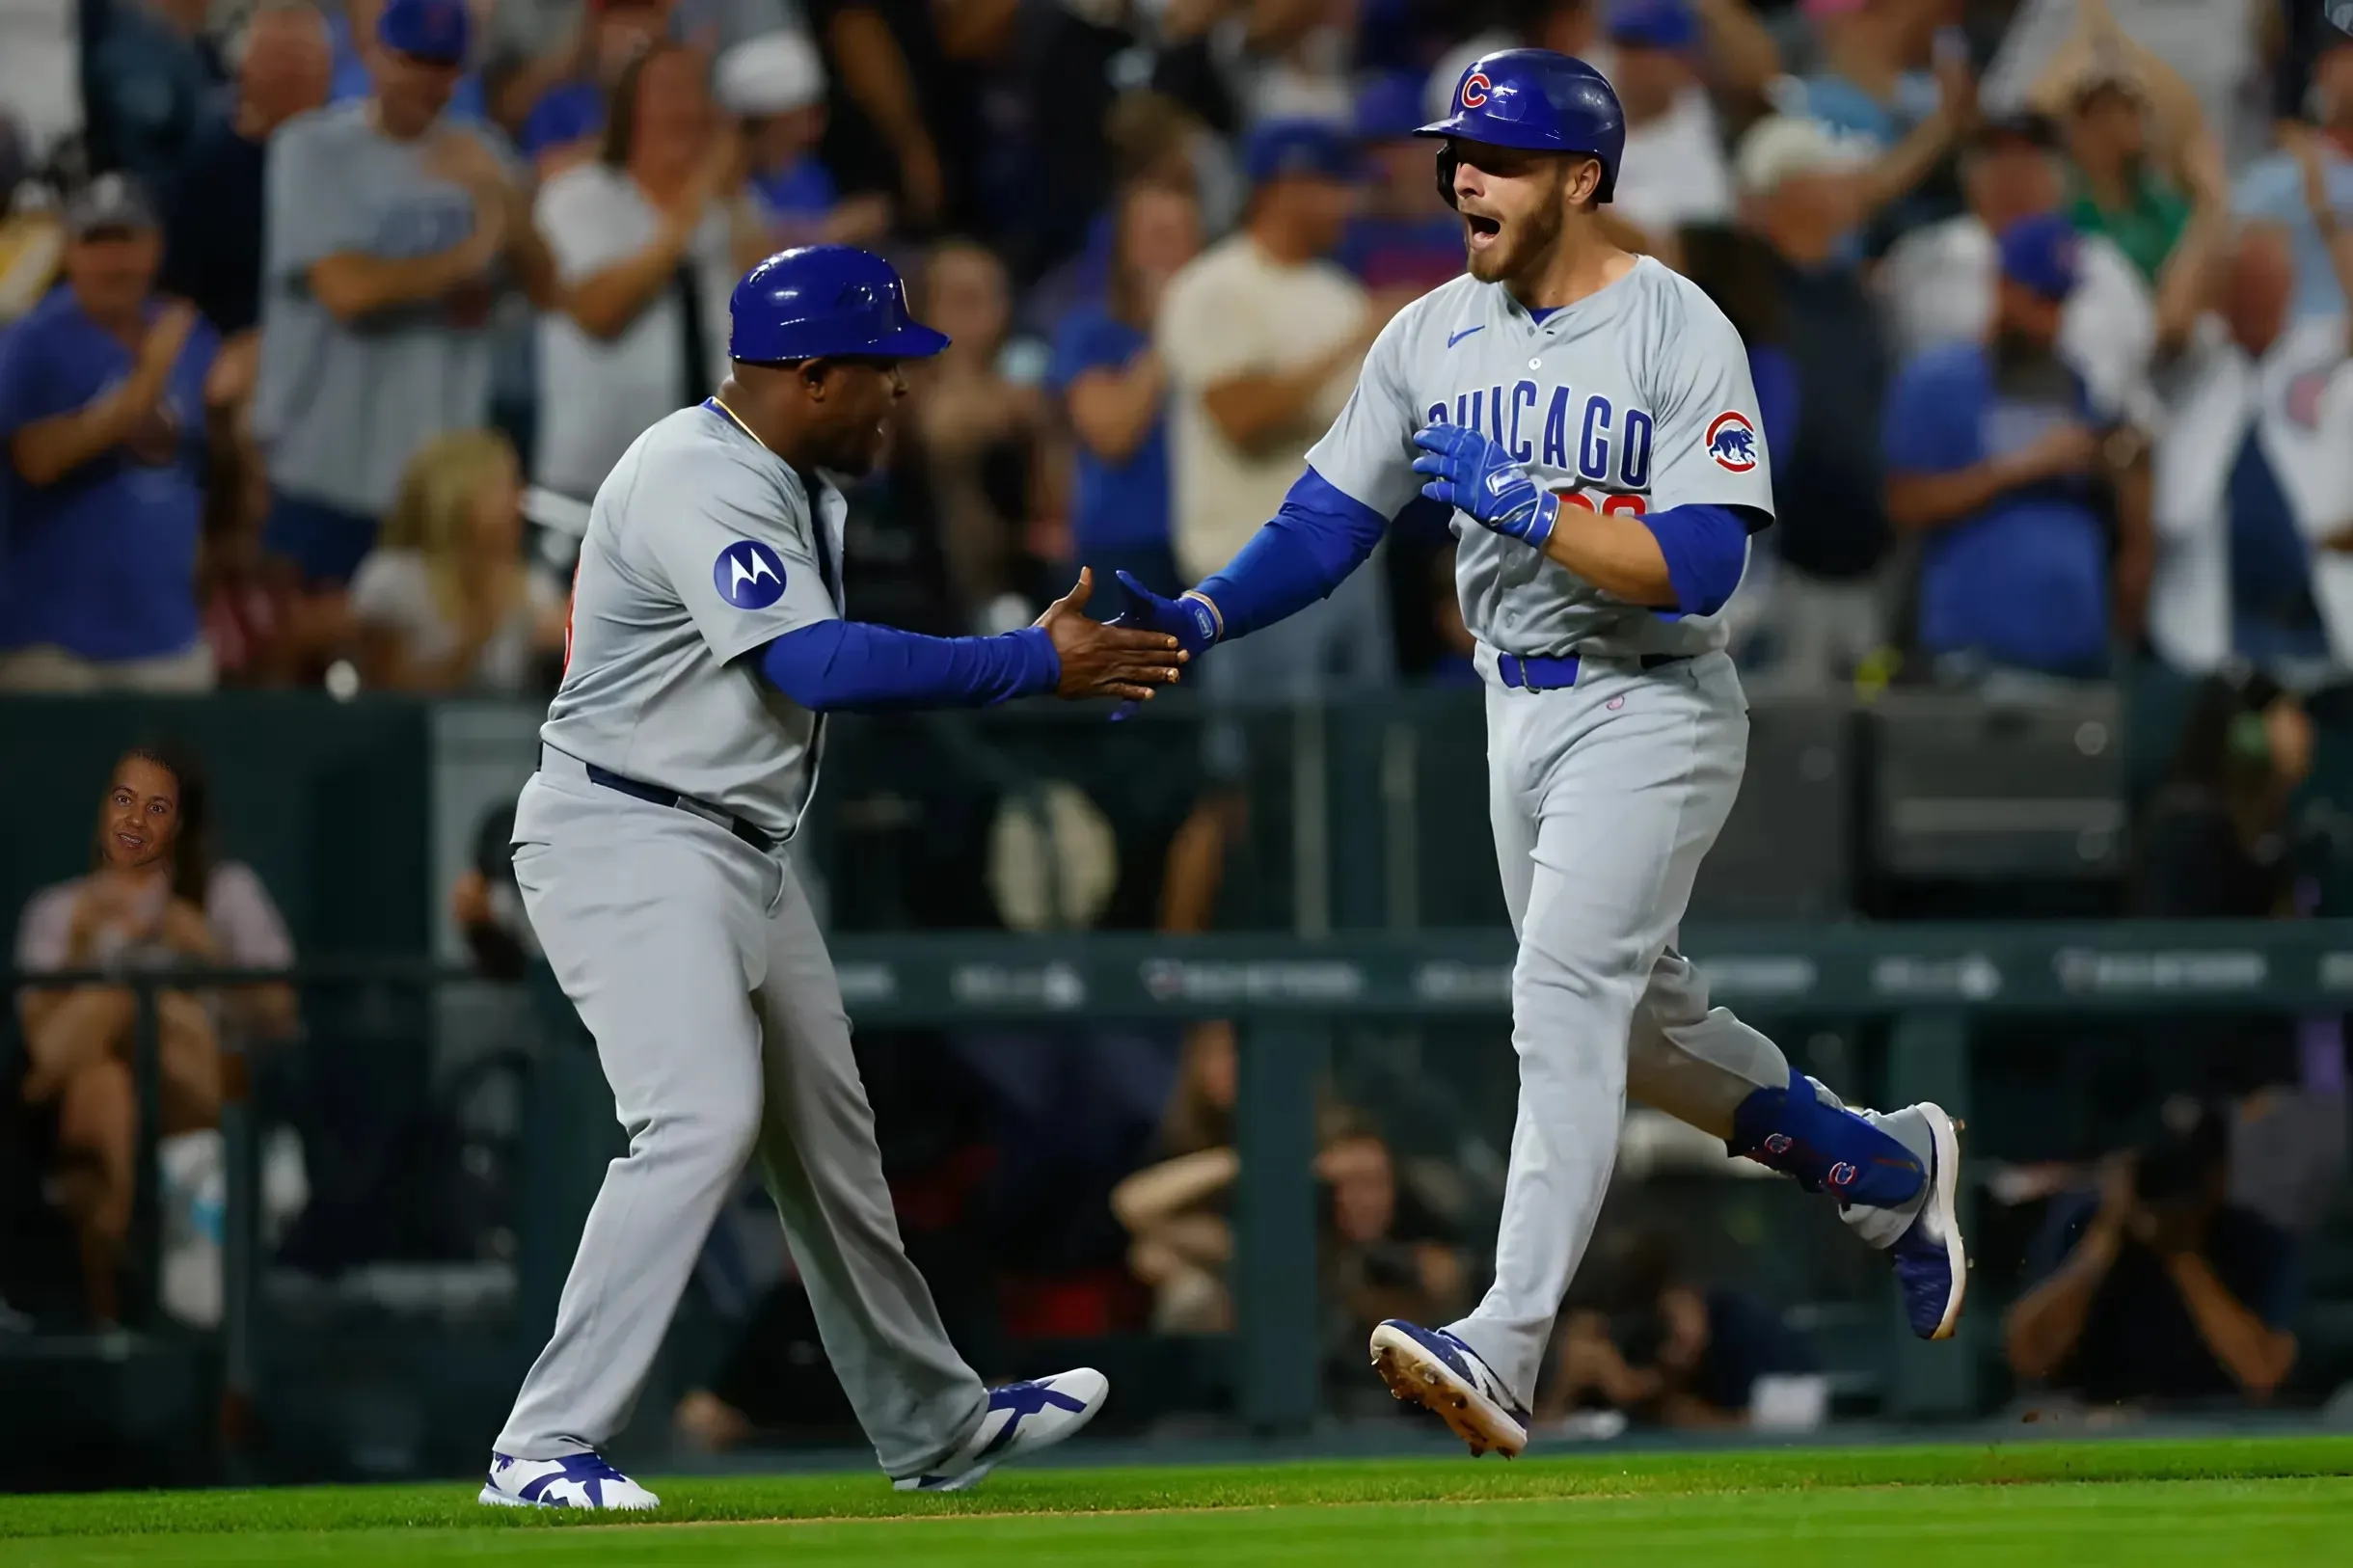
point(855, 667)
point(1357, 479)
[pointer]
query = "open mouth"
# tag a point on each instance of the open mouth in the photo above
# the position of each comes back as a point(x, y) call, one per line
point(1481, 230)
point(131, 841)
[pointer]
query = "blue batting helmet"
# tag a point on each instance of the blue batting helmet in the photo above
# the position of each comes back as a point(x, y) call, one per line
point(1541, 101)
point(824, 301)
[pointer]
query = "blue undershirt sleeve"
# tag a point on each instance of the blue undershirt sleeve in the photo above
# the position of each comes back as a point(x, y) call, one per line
point(1706, 548)
point(1319, 536)
point(855, 667)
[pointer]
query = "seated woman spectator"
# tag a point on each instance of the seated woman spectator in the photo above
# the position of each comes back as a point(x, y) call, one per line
point(154, 898)
point(446, 603)
point(1382, 1252)
point(2153, 1287)
point(1115, 393)
point(1176, 1209)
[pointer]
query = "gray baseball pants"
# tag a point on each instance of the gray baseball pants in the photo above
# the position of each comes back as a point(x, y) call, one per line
point(695, 961)
point(1605, 797)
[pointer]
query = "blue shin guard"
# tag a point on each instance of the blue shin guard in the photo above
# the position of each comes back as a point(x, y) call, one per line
point(1827, 1147)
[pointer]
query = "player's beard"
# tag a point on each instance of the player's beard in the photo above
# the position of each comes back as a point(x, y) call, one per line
point(1523, 245)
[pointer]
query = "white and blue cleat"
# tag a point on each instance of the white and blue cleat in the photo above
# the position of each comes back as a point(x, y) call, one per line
point(580, 1480)
point(1432, 1369)
point(1931, 1263)
point(1021, 1418)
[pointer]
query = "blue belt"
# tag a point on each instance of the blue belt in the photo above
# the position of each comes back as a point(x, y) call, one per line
point(1555, 674)
point(658, 796)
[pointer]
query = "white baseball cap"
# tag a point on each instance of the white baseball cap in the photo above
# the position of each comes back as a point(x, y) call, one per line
point(772, 74)
point(1779, 147)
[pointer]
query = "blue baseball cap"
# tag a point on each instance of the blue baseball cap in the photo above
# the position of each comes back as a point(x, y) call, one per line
point(2044, 254)
point(1389, 108)
point(1299, 148)
point(436, 31)
point(1654, 24)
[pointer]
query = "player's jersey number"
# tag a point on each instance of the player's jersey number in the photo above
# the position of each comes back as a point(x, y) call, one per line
point(1613, 506)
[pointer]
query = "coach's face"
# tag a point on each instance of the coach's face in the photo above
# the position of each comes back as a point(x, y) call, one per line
point(1514, 203)
point(855, 401)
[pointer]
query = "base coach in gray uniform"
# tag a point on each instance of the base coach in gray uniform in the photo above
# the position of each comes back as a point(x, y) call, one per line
point(707, 645)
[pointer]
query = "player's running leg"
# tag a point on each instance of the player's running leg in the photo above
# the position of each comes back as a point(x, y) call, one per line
point(932, 1426)
point(1895, 1175)
point(644, 920)
point(1604, 797)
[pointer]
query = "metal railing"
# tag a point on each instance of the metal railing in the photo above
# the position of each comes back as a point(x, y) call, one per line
point(1287, 995)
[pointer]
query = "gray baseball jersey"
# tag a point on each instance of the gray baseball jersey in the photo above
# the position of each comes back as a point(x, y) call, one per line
point(339, 409)
point(1634, 399)
point(701, 547)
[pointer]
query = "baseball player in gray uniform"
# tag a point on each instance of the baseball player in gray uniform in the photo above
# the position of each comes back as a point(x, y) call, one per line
point(1588, 417)
point(707, 645)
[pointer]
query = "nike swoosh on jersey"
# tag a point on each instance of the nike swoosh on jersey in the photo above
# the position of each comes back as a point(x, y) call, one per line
point(1464, 332)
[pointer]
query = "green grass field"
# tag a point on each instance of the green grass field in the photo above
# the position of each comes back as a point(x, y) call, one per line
point(2262, 1504)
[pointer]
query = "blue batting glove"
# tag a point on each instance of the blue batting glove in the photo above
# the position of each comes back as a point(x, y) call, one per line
point(1192, 621)
point(1471, 474)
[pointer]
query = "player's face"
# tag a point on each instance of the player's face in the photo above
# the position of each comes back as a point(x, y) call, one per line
point(1514, 204)
point(140, 816)
point(857, 399)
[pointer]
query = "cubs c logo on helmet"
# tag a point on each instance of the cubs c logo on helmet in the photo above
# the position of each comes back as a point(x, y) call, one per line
point(748, 574)
point(1476, 87)
point(1732, 442)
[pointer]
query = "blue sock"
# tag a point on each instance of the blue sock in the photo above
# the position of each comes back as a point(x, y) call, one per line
point(1826, 1148)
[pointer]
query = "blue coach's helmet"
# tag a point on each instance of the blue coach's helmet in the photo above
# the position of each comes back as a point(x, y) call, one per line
point(1541, 101)
point(824, 301)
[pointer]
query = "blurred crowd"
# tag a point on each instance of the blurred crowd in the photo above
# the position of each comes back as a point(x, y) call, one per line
point(325, 322)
